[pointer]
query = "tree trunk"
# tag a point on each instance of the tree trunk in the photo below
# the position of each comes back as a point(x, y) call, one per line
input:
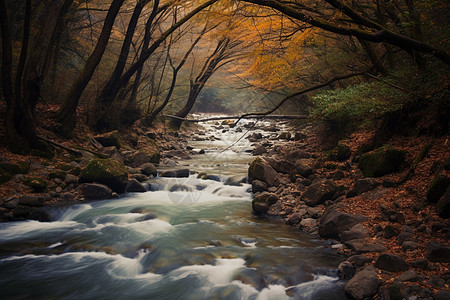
point(125, 78)
point(12, 136)
point(67, 113)
point(106, 99)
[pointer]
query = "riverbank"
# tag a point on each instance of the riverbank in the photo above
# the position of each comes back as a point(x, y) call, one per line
point(385, 211)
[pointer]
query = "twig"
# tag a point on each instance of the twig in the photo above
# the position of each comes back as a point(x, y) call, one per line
point(77, 153)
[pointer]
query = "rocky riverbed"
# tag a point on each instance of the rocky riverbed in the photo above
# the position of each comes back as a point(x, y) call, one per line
point(384, 210)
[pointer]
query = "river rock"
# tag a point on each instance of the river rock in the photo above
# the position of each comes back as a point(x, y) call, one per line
point(281, 165)
point(236, 180)
point(106, 171)
point(139, 177)
point(364, 246)
point(262, 202)
point(365, 185)
point(304, 167)
point(149, 154)
point(334, 222)
point(134, 186)
point(410, 246)
point(437, 252)
point(261, 170)
point(346, 270)
point(391, 263)
point(148, 169)
point(442, 295)
point(113, 153)
point(318, 192)
point(254, 137)
point(308, 224)
point(364, 285)
point(71, 179)
point(258, 186)
point(109, 139)
point(179, 173)
point(296, 217)
point(30, 200)
point(382, 161)
point(409, 275)
point(275, 209)
point(359, 260)
point(94, 191)
point(358, 231)
point(258, 150)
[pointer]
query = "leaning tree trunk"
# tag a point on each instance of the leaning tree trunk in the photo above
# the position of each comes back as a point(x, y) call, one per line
point(67, 113)
point(105, 100)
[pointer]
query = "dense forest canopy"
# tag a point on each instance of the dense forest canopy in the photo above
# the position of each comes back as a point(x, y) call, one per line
point(111, 63)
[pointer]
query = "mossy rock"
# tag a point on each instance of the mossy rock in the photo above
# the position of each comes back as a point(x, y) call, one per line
point(37, 184)
point(109, 139)
point(261, 170)
point(262, 202)
point(20, 167)
point(57, 174)
point(109, 172)
point(437, 187)
point(382, 161)
point(340, 153)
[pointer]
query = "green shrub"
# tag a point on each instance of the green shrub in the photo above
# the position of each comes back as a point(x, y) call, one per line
point(356, 106)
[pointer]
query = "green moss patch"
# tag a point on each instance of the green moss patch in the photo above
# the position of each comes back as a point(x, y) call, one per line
point(382, 161)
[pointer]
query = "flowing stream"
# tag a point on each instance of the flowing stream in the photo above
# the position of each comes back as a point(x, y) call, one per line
point(186, 238)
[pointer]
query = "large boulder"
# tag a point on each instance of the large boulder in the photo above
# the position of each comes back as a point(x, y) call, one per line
point(391, 263)
point(261, 170)
point(94, 191)
point(443, 205)
point(262, 202)
point(364, 285)
point(437, 188)
point(340, 153)
point(382, 161)
point(109, 139)
point(334, 222)
point(437, 252)
point(106, 171)
point(318, 192)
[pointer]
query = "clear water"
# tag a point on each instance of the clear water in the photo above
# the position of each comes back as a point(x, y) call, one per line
point(186, 239)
